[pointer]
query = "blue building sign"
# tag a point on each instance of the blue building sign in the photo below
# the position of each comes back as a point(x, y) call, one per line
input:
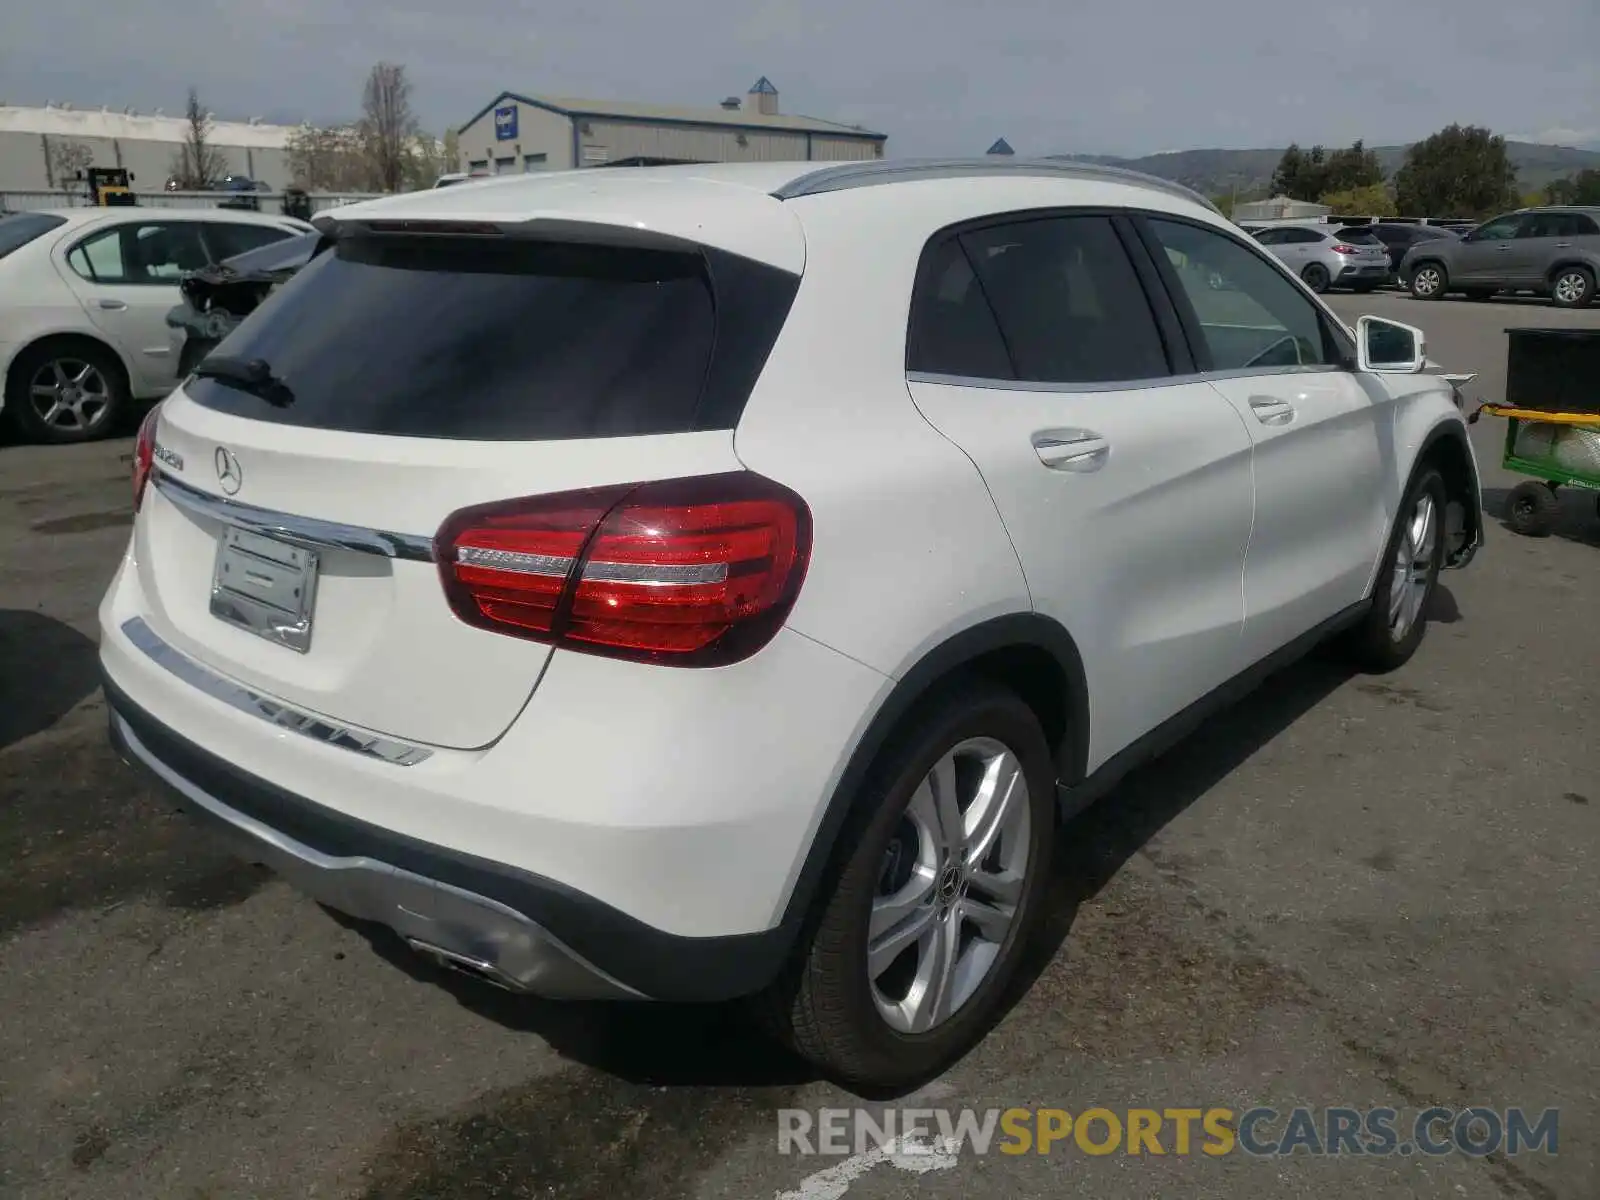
point(505, 123)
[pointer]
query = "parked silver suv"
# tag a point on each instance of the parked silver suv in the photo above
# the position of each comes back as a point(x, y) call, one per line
point(1328, 255)
point(1552, 251)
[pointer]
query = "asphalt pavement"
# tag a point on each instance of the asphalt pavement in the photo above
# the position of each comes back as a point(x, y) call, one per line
point(1348, 891)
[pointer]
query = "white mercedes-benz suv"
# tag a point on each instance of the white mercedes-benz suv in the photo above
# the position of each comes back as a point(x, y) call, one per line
point(701, 583)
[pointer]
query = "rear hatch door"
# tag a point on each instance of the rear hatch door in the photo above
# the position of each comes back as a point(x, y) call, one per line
point(286, 538)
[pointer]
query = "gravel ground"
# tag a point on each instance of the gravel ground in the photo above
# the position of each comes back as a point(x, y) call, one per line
point(1359, 891)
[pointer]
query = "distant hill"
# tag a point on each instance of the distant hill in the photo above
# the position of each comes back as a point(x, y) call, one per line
point(1218, 172)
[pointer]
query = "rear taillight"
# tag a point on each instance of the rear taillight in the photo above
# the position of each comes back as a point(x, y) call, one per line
point(1341, 248)
point(697, 572)
point(144, 455)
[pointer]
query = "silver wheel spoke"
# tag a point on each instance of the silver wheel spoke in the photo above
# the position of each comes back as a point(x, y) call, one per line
point(913, 927)
point(992, 808)
point(60, 370)
point(991, 921)
point(935, 807)
point(931, 996)
point(83, 374)
point(44, 391)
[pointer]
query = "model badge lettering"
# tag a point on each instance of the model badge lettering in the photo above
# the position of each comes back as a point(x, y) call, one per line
point(170, 458)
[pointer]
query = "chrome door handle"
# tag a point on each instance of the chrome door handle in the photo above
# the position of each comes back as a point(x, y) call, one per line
point(1271, 411)
point(112, 305)
point(1079, 450)
point(1563, 245)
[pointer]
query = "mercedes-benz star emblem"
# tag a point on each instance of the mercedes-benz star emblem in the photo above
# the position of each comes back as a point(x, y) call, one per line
point(229, 473)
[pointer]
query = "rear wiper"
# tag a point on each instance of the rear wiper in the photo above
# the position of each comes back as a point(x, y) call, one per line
point(252, 375)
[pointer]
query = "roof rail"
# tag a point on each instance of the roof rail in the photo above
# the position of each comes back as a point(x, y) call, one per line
point(872, 174)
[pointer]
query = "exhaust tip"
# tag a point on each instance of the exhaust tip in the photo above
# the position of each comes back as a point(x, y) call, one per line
point(463, 964)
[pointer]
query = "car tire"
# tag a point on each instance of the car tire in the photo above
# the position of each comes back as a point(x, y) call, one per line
point(829, 1005)
point(1381, 642)
point(1532, 508)
point(1480, 294)
point(1428, 281)
point(90, 392)
point(1316, 278)
point(1572, 287)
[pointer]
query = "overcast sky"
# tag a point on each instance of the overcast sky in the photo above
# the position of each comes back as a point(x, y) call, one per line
point(940, 77)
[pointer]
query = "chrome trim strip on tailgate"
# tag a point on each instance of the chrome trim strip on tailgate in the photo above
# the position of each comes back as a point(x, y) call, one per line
point(274, 712)
point(308, 531)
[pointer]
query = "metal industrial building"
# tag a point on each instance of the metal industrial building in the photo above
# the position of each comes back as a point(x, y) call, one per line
point(517, 133)
point(37, 143)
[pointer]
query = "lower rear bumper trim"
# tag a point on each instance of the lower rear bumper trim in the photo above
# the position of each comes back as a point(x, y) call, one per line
point(518, 930)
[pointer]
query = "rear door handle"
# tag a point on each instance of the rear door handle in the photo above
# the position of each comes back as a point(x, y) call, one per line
point(1079, 450)
point(1563, 245)
point(1269, 410)
point(112, 305)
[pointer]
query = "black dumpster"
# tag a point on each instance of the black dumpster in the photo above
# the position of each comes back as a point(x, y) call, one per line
point(1554, 370)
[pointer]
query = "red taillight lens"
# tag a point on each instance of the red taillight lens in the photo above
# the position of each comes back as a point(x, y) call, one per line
point(1341, 248)
point(698, 572)
point(144, 455)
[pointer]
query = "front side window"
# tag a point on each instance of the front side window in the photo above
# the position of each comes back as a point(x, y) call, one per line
point(1250, 315)
point(1068, 301)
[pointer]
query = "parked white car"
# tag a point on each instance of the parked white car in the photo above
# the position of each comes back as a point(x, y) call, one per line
point(707, 582)
point(84, 295)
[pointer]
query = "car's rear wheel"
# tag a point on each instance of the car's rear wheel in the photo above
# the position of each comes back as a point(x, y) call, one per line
point(1392, 629)
point(1316, 277)
point(1572, 287)
point(934, 905)
point(66, 391)
point(1428, 281)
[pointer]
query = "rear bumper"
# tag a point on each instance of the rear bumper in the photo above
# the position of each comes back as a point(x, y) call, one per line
point(510, 927)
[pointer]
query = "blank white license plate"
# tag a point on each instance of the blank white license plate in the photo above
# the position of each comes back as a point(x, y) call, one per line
point(266, 587)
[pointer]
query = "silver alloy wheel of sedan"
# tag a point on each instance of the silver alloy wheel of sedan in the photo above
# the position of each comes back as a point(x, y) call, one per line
point(1413, 567)
point(1571, 287)
point(951, 882)
point(1427, 281)
point(69, 393)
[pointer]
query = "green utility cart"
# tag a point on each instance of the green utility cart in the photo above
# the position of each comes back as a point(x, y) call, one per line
point(1552, 412)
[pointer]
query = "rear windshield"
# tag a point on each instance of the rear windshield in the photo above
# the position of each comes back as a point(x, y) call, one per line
point(19, 229)
point(1359, 237)
point(506, 339)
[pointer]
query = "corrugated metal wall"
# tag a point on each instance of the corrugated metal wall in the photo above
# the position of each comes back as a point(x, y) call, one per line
point(22, 160)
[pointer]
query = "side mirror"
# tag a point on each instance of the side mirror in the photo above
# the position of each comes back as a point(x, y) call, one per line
point(1389, 347)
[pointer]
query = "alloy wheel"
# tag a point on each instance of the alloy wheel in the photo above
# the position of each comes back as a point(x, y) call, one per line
point(69, 393)
point(1570, 288)
point(1426, 281)
point(1413, 567)
point(951, 882)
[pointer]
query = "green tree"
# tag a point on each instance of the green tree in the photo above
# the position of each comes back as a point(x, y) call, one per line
point(1372, 200)
point(1461, 171)
point(1309, 175)
point(1582, 188)
point(1352, 169)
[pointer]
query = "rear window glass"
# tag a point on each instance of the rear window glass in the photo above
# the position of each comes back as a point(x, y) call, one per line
point(508, 340)
point(1359, 237)
point(19, 229)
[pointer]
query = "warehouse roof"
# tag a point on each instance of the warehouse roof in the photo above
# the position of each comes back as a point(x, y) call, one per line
point(657, 114)
point(108, 123)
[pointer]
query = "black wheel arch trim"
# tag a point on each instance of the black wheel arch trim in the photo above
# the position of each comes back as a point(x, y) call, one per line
point(1013, 631)
point(1472, 536)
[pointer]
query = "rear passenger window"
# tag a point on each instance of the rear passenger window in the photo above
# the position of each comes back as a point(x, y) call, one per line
point(1250, 315)
point(1070, 305)
point(953, 331)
